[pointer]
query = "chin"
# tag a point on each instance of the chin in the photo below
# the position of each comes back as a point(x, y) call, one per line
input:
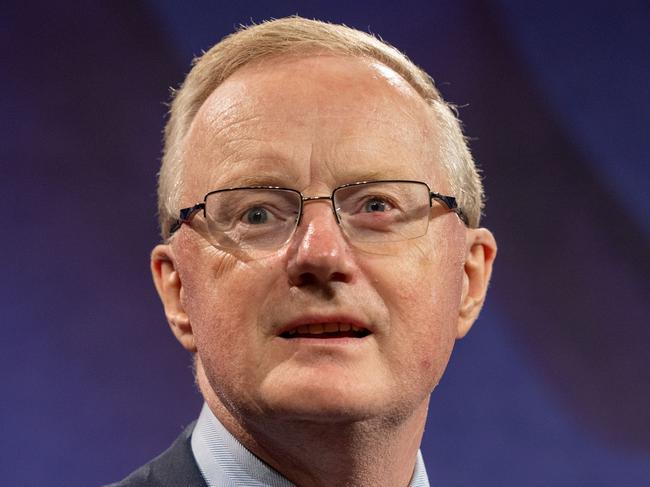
point(316, 402)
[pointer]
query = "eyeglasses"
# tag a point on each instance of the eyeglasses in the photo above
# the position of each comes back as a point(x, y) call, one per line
point(261, 219)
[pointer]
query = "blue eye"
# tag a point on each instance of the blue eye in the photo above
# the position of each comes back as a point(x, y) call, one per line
point(374, 205)
point(257, 216)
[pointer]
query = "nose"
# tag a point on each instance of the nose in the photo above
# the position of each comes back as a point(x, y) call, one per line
point(318, 252)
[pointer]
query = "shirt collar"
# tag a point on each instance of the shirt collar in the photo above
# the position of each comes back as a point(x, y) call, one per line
point(224, 461)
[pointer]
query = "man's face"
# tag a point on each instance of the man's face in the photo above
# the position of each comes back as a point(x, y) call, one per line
point(313, 124)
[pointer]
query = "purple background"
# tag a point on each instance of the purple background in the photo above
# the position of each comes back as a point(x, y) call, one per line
point(552, 385)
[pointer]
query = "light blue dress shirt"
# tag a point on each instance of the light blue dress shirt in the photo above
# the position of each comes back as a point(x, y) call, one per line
point(224, 462)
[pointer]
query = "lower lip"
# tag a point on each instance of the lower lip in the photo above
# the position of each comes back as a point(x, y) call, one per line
point(327, 342)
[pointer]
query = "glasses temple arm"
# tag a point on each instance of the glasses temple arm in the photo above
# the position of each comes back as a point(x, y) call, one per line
point(184, 216)
point(451, 203)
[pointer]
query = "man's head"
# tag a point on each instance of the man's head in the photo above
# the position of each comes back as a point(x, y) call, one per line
point(324, 327)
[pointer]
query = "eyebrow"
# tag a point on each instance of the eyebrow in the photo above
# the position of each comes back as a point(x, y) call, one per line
point(261, 179)
point(354, 176)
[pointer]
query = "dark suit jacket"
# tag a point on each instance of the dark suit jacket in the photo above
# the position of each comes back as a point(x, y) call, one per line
point(175, 467)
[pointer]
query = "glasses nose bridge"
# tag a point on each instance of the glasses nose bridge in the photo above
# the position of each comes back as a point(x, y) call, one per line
point(312, 199)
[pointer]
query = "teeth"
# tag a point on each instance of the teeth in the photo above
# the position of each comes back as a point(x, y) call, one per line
point(331, 327)
point(320, 328)
point(316, 329)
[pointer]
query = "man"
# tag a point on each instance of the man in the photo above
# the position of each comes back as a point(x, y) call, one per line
point(321, 255)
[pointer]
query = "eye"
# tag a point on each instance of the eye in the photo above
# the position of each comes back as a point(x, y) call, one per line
point(375, 205)
point(256, 215)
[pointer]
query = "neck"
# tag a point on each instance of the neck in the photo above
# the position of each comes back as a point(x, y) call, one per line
point(375, 452)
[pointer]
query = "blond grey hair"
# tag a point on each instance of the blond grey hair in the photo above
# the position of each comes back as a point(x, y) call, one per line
point(298, 36)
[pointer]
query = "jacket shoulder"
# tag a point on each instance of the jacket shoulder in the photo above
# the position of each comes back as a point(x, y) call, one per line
point(174, 467)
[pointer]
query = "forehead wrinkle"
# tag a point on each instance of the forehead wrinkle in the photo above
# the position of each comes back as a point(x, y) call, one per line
point(384, 160)
point(337, 161)
point(249, 134)
point(237, 145)
point(250, 149)
point(221, 127)
point(259, 171)
point(245, 148)
point(224, 106)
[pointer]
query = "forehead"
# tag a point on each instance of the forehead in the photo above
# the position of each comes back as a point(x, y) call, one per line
point(322, 120)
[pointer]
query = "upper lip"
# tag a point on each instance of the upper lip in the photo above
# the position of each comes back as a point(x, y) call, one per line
point(313, 319)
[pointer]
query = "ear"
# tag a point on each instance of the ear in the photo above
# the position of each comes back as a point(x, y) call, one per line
point(481, 251)
point(169, 286)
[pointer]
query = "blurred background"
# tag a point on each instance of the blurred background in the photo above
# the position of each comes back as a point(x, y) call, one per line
point(551, 387)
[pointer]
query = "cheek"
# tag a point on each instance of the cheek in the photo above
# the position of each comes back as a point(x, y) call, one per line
point(421, 283)
point(421, 290)
point(224, 307)
point(217, 297)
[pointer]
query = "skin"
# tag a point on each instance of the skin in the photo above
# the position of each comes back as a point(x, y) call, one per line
point(346, 412)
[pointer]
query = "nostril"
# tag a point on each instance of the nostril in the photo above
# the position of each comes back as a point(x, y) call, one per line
point(311, 279)
point(306, 279)
point(339, 277)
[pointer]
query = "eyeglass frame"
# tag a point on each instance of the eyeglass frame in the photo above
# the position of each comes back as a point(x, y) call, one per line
point(187, 214)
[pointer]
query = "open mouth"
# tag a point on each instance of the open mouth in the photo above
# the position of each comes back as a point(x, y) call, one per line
point(326, 330)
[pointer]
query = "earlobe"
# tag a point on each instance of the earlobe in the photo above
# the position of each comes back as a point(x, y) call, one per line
point(481, 252)
point(169, 286)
